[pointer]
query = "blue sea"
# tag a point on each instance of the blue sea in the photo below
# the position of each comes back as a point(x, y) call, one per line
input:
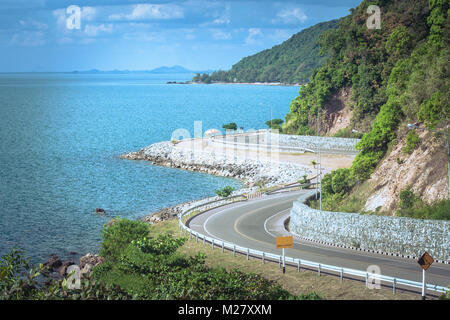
point(61, 140)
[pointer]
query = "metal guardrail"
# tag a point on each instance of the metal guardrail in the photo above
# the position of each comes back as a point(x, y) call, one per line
point(296, 261)
point(291, 187)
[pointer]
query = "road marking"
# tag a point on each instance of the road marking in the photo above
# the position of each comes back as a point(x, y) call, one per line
point(265, 222)
point(237, 206)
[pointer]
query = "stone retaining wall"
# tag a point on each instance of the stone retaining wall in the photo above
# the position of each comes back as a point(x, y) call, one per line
point(313, 142)
point(285, 141)
point(397, 235)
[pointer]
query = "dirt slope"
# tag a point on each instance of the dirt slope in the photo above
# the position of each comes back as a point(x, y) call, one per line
point(425, 171)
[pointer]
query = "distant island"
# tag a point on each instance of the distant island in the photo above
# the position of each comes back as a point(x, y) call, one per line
point(160, 70)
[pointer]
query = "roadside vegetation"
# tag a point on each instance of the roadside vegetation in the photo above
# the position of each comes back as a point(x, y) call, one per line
point(140, 263)
point(413, 207)
point(398, 73)
point(225, 191)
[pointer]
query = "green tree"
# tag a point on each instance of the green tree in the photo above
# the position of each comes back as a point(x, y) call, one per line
point(225, 191)
point(230, 126)
point(275, 124)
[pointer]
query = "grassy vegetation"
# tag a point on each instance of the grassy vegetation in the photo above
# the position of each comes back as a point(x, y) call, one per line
point(412, 206)
point(163, 264)
point(297, 283)
point(151, 266)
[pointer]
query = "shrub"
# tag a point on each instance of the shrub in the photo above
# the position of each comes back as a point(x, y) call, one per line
point(225, 191)
point(304, 180)
point(407, 198)
point(419, 210)
point(152, 269)
point(412, 140)
point(21, 280)
point(117, 236)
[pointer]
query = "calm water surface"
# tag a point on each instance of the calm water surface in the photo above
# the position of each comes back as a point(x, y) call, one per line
point(61, 140)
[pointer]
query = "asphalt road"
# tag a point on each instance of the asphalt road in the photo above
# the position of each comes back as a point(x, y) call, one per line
point(255, 224)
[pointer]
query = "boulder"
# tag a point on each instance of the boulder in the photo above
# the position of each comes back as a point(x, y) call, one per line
point(53, 263)
point(100, 211)
point(62, 270)
point(91, 259)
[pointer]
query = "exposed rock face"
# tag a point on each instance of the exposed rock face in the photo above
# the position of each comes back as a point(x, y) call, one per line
point(53, 263)
point(425, 171)
point(88, 262)
point(337, 112)
point(249, 170)
point(91, 259)
point(62, 270)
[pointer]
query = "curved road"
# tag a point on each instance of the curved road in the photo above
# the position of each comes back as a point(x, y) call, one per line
point(255, 224)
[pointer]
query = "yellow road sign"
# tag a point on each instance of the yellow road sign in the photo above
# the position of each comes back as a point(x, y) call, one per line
point(425, 260)
point(284, 242)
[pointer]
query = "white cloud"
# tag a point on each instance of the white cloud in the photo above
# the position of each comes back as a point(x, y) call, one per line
point(28, 38)
point(224, 18)
point(290, 16)
point(94, 30)
point(65, 40)
point(252, 34)
point(220, 35)
point(88, 13)
point(143, 36)
point(33, 24)
point(151, 11)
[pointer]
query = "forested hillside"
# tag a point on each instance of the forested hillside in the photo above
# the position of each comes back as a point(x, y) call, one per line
point(291, 62)
point(397, 74)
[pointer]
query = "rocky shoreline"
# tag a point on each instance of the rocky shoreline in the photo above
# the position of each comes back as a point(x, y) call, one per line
point(252, 172)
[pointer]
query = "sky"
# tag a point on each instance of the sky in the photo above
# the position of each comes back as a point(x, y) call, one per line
point(35, 35)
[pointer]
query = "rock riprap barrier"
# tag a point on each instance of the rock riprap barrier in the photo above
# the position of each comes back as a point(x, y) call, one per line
point(251, 171)
point(396, 235)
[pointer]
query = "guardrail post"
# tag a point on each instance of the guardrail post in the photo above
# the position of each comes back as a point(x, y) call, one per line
point(367, 280)
point(279, 261)
point(190, 234)
point(342, 274)
point(212, 244)
point(248, 251)
point(234, 250)
point(394, 285)
point(203, 239)
point(423, 285)
point(298, 265)
point(196, 237)
point(318, 270)
point(262, 258)
point(222, 247)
